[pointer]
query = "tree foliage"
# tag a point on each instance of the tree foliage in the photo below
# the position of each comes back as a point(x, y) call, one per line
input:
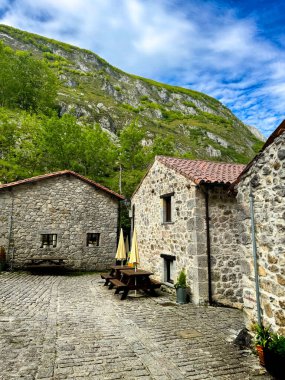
point(25, 82)
point(35, 140)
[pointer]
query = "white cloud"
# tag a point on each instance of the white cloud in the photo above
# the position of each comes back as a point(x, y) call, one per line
point(193, 45)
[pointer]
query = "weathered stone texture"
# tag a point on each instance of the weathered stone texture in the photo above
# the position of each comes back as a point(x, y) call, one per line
point(225, 250)
point(65, 206)
point(185, 237)
point(267, 178)
point(177, 238)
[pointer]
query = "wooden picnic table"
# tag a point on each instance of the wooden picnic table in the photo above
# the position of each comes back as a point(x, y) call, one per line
point(131, 279)
point(45, 262)
point(115, 273)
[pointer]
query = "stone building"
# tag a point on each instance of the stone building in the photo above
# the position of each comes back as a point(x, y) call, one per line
point(186, 218)
point(265, 175)
point(61, 214)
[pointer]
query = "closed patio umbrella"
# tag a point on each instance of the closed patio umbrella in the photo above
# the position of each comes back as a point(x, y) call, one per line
point(121, 251)
point(127, 245)
point(134, 256)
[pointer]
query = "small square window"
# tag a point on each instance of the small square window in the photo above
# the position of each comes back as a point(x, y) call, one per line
point(49, 240)
point(92, 239)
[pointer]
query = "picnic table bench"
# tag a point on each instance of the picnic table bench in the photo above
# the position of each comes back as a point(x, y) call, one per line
point(134, 280)
point(40, 262)
point(114, 273)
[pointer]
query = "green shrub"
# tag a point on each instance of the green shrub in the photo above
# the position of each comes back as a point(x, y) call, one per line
point(262, 335)
point(181, 280)
point(277, 344)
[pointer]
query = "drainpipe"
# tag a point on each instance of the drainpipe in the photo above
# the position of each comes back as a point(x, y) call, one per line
point(119, 221)
point(10, 231)
point(206, 193)
point(254, 251)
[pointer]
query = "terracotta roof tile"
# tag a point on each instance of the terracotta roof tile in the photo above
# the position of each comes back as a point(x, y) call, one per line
point(57, 174)
point(204, 171)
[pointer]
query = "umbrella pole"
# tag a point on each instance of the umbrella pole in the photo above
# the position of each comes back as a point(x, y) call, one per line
point(135, 281)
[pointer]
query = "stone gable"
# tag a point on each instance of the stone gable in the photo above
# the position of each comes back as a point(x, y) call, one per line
point(65, 206)
point(183, 240)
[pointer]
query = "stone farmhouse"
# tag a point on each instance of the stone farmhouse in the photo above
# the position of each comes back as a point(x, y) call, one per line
point(265, 175)
point(61, 214)
point(185, 217)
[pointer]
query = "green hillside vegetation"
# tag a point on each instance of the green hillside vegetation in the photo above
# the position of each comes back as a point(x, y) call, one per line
point(66, 108)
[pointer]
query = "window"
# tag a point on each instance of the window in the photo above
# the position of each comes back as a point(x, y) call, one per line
point(92, 239)
point(168, 265)
point(49, 240)
point(167, 208)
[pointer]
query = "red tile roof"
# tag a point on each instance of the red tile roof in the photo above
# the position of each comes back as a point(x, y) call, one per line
point(57, 174)
point(204, 171)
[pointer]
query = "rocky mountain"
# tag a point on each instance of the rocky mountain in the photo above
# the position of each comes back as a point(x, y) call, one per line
point(97, 92)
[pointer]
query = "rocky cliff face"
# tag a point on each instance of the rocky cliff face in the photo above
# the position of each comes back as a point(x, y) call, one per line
point(94, 90)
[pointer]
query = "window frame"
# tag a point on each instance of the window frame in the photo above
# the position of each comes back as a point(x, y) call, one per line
point(168, 268)
point(49, 240)
point(96, 236)
point(167, 208)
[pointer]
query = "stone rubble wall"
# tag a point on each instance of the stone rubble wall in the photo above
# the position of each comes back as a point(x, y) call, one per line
point(65, 206)
point(225, 249)
point(185, 237)
point(267, 178)
point(156, 238)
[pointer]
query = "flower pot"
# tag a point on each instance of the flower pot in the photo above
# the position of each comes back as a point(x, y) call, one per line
point(275, 364)
point(261, 355)
point(181, 295)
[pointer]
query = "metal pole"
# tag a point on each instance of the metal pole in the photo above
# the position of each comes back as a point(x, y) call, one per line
point(254, 251)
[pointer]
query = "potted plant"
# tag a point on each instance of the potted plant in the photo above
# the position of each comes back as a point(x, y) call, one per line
point(275, 358)
point(180, 287)
point(262, 340)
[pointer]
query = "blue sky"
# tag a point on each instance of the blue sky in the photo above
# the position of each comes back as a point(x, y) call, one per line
point(232, 50)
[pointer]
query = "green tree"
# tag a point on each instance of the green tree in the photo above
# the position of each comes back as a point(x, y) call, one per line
point(162, 146)
point(20, 150)
point(25, 82)
point(61, 143)
point(98, 153)
point(132, 159)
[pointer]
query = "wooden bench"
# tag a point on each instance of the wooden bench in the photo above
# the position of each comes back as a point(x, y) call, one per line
point(119, 285)
point(107, 277)
point(45, 262)
point(155, 284)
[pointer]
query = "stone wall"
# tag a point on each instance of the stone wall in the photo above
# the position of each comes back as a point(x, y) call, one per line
point(225, 248)
point(185, 237)
point(267, 178)
point(154, 236)
point(65, 206)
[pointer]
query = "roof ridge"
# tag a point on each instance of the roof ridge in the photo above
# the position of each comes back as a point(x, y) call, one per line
point(56, 174)
point(196, 160)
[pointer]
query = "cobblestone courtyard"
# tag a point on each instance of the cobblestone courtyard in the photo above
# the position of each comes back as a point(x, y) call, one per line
point(71, 327)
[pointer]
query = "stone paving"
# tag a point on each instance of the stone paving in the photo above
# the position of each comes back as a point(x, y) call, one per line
point(72, 327)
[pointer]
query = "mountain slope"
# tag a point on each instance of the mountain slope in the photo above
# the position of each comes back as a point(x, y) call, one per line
point(95, 91)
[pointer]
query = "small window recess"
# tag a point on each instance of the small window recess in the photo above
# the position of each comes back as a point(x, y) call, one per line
point(48, 240)
point(168, 268)
point(92, 239)
point(167, 205)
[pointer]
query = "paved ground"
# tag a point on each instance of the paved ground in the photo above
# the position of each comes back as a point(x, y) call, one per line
point(71, 327)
